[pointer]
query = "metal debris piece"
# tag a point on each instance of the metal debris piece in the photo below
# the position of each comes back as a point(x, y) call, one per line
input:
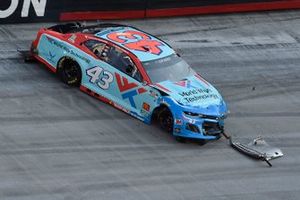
point(26, 55)
point(258, 149)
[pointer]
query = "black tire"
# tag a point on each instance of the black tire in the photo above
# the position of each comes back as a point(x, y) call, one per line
point(165, 120)
point(69, 72)
point(180, 139)
point(201, 142)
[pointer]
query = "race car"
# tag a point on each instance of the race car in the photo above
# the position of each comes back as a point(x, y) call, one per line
point(135, 72)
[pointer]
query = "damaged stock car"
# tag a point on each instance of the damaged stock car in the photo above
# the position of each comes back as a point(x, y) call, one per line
point(134, 72)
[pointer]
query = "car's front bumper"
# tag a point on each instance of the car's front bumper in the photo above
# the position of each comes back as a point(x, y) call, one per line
point(206, 123)
point(198, 128)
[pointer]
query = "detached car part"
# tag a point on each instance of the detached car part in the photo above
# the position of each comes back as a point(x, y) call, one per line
point(258, 149)
point(27, 55)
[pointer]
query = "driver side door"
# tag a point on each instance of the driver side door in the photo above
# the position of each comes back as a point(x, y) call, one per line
point(117, 77)
point(129, 90)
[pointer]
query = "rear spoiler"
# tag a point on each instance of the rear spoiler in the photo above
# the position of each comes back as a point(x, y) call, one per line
point(78, 27)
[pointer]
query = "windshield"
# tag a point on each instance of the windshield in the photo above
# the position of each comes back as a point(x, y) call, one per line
point(171, 68)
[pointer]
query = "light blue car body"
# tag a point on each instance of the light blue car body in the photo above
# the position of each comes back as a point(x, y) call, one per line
point(193, 101)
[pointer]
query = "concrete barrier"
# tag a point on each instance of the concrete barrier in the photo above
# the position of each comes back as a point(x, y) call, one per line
point(18, 11)
point(212, 7)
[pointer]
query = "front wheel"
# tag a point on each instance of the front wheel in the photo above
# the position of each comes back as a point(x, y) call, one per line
point(201, 142)
point(180, 139)
point(165, 119)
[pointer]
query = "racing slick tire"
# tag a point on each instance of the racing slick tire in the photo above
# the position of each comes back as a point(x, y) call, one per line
point(166, 120)
point(69, 72)
point(201, 142)
point(180, 139)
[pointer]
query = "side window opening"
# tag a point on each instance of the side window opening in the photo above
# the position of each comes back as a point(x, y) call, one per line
point(124, 63)
point(98, 48)
point(115, 57)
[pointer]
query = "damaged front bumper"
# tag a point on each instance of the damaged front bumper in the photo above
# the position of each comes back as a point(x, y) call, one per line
point(199, 128)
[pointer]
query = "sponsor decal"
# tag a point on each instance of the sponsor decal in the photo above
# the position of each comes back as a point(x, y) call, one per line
point(67, 49)
point(146, 107)
point(51, 56)
point(72, 38)
point(129, 95)
point(39, 6)
point(178, 121)
point(154, 94)
point(198, 94)
point(195, 92)
point(136, 40)
point(185, 83)
point(201, 97)
point(124, 85)
point(141, 90)
point(100, 77)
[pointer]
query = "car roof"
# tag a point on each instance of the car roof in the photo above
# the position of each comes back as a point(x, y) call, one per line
point(145, 46)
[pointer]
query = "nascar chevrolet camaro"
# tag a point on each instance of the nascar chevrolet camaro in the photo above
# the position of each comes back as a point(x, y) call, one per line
point(136, 73)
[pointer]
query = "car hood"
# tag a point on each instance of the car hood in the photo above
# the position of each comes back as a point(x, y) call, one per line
point(192, 91)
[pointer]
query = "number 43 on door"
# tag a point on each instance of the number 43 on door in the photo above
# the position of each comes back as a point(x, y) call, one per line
point(100, 77)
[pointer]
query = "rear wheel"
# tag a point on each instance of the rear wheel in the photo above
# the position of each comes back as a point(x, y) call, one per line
point(69, 72)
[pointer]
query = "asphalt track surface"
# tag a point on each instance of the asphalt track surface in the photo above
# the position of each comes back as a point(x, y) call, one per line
point(59, 143)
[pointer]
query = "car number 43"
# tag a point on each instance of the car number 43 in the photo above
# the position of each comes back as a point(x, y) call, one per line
point(100, 77)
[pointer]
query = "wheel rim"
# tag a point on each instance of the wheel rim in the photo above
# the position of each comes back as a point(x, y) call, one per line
point(71, 73)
